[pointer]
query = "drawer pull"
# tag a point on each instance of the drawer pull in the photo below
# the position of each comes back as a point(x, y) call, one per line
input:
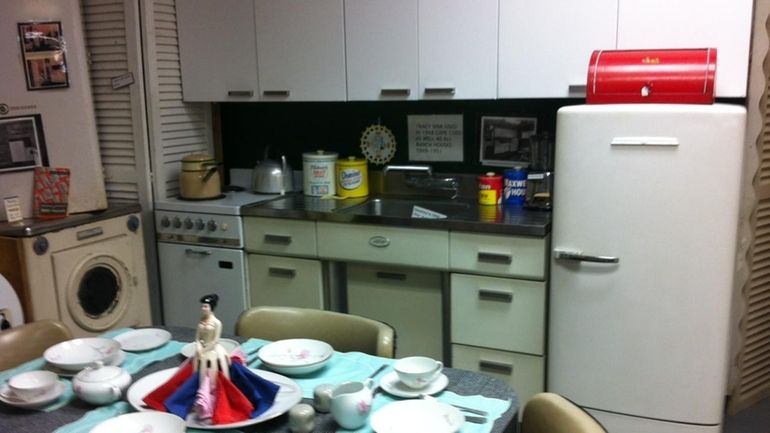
point(277, 93)
point(379, 241)
point(497, 258)
point(90, 233)
point(192, 252)
point(395, 92)
point(496, 367)
point(282, 272)
point(241, 93)
point(440, 91)
point(492, 295)
point(391, 276)
point(277, 239)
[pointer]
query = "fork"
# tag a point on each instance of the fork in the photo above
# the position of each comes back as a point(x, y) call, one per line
point(463, 408)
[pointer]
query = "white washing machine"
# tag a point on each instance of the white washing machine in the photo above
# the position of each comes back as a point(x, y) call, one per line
point(91, 276)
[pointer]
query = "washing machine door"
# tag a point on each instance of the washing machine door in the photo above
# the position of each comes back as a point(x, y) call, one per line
point(97, 284)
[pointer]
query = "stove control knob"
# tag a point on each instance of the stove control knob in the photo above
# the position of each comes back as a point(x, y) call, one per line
point(164, 222)
point(177, 223)
point(199, 224)
point(224, 226)
point(188, 224)
point(212, 225)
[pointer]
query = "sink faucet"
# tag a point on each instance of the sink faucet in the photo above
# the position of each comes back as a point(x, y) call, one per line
point(421, 177)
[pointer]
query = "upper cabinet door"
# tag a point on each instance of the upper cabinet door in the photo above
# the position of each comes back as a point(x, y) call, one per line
point(546, 45)
point(381, 46)
point(301, 50)
point(458, 49)
point(723, 24)
point(217, 50)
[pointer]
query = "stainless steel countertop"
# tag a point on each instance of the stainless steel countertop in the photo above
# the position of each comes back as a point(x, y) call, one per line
point(502, 219)
point(33, 227)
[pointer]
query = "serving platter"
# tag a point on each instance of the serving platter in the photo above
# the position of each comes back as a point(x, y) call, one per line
point(289, 394)
point(138, 422)
point(417, 416)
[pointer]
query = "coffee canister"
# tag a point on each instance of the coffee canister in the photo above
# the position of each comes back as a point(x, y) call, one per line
point(514, 185)
point(352, 177)
point(318, 173)
point(490, 189)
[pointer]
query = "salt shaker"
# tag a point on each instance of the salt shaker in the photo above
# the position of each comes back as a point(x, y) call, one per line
point(301, 418)
point(322, 397)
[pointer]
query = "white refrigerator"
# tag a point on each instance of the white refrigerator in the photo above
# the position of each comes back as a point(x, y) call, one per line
point(645, 218)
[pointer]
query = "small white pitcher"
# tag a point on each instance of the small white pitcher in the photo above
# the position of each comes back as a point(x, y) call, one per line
point(351, 403)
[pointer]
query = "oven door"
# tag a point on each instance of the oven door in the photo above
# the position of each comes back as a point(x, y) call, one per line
point(187, 272)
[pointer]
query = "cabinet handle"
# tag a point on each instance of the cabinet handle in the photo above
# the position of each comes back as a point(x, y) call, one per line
point(192, 252)
point(89, 233)
point(492, 295)
point(439, 90)
point(241, 93)
point(580, 257)
point(391, 276)
point(496, 367)
point(498, 258)
point(379, 241)
point(282, 272)
point(277, 93)
point(277, 239)
point(577, 88)
point(395, 92)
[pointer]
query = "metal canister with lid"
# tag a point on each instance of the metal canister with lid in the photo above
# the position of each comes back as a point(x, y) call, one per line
point(352, 177)
point(318, 173)
point(514, 185)
point(490, 189)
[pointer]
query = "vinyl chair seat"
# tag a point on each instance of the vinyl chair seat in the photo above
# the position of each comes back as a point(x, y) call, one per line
point(29, 341)
point(548, 412)
point(344, 332)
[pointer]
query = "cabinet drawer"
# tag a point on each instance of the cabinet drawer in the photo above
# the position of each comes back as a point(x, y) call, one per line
point(285, 281)
point(525, 373)
point(517, 256)
point(499, 313)
point(280, 236)
point(377, 244)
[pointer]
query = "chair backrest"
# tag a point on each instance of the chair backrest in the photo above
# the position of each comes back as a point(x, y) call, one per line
point(547, 412)
point(29, 341)
point(344, 332)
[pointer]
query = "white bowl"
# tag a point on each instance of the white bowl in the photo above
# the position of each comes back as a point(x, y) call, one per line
point(32, 384)
point(79, 353)
point(136, 422)
point(296, 356)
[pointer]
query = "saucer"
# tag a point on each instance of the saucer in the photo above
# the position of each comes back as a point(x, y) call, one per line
point(143, 339)
point(117, 360)
point(8, 397)
point(390, 384)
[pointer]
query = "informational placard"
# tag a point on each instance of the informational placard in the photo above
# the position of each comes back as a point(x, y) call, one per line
point(436, 137)
point(12, 209)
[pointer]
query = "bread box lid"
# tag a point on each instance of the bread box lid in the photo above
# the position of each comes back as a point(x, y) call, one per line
point(678, 76)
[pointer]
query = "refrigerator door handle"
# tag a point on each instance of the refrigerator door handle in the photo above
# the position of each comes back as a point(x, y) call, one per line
point(580, 257)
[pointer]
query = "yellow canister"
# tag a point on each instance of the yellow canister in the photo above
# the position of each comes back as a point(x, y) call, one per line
point(352, 177)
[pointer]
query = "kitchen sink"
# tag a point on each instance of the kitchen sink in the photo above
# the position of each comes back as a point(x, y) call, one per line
point(407, 208)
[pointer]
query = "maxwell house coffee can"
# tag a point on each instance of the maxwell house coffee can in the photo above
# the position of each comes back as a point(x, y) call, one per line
point(490, 189)
point(515, 185)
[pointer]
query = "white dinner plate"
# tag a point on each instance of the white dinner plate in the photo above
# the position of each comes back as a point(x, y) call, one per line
point(143, 339)
point(288, 395)
point(390, 384)
point(417, 416)
point(138, 422)
point(117, 360)
point(296, 353)
point(8, 397)
point(188, 349)
point(78, 353)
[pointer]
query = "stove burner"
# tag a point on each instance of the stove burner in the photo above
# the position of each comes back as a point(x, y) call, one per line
point(220, 196)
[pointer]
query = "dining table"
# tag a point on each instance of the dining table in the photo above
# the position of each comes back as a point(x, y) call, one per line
point(73, 415)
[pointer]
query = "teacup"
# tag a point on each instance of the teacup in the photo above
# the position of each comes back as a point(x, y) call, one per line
point(351, 403)
point(417, 371)
point(32, 384)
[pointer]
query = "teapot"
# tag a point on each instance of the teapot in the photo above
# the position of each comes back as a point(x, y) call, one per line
point(99, 384)
point(273, 177)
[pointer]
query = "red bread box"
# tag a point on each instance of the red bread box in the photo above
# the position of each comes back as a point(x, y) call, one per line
point(659, 76)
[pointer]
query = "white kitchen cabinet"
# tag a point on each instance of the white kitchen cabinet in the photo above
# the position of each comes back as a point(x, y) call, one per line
point(545, 46)
point(723, 24)
point(301, 50)
point(410, 300)
point(217, 50)
point(286, 281)
point(458, 49)
point(381, 49)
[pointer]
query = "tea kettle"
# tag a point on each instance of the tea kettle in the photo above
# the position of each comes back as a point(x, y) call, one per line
point(273, 177)
point(199, 179)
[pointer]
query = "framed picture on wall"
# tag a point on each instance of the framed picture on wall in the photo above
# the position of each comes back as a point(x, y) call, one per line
point(505, 141)
point(22, 145)
point(43, 52)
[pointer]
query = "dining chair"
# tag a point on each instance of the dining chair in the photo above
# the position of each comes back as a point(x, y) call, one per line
point(29, 341)
point(344, 332)
point(547, 412)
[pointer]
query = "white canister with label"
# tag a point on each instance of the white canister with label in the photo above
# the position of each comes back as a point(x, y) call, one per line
point(318, 173)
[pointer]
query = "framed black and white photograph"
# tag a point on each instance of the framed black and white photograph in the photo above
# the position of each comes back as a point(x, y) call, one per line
point(43, 52)
point(506, 141)
point(22, 145)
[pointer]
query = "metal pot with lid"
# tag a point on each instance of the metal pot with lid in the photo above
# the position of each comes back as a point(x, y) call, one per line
point(199, 178)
